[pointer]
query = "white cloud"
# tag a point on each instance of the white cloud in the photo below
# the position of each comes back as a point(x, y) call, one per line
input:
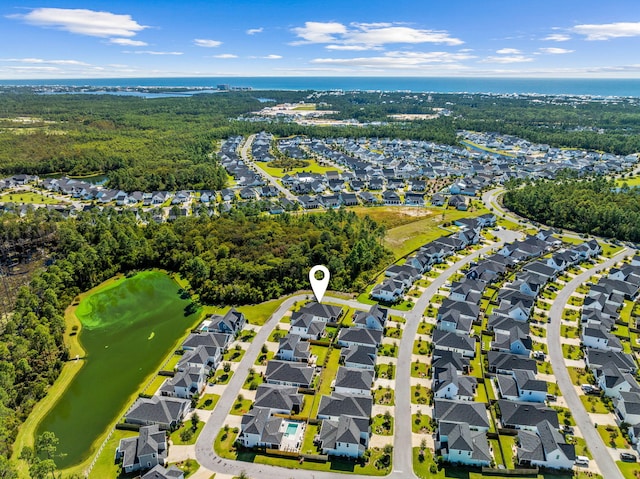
point(368, 35)
point(35, 69)
point(555, 51)
point(253, 31)
point(271, 57)
point(202, 42)
point(40, 60)
point(507, 59)
point(352, 48)
point(508, 51)
point(128, 42)
point(82, 21)
point(225, 55)
point(557, 37)
point(398, 59)
point(607, 31)
point(319, 32)
point(152, 52)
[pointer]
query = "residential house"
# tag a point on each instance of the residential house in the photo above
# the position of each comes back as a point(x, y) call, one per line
point(160, 472)
point(231, 322)
point(292, 348)
point(375, 318)
point(279, 399)
point(521, 385)
point(356, 381)
point(336, 405)
point(357, 356)
point(525, 415)
point(359, 336)
point(289, 373)
point(459, 444)
point(449, 383)
point(545, 447)
point(472, 413)
point(166, 412)
point(144, 451)
point(347, 436)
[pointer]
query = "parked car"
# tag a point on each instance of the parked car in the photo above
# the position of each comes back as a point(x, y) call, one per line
point(582, 461)
point(627, 457)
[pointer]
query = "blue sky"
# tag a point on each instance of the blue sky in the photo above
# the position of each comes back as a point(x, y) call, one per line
point(160, 38)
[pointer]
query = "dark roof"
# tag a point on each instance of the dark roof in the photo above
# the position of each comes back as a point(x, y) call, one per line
point(517, 413)
point(354, 378)
point(472, 413)
point(345, 404)
point(289, 372)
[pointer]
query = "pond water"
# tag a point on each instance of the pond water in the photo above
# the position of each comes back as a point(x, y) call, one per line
point(128, 328)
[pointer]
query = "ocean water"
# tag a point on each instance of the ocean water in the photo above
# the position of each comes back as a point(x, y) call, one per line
point(544, 86)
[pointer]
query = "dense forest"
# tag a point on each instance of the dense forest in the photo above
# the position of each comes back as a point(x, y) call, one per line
point(228, 260)
point(593, 206)
point(170, 143)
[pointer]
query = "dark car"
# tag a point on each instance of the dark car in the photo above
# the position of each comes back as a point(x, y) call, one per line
point(627, 457)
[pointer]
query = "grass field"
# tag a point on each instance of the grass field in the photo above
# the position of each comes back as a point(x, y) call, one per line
point(406, 238)
point(28, 197)
point(313, 167)
point(629, 469)
point(105, 466)
point(176, 436)
point(208, 402)
point(612, 437)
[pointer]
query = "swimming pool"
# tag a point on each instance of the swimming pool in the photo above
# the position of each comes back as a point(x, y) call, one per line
point(291, 429)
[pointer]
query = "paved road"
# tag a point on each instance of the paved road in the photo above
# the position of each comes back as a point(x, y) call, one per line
point(607, 465)
point(244, 153)
point(403, 447)
point(402, 456)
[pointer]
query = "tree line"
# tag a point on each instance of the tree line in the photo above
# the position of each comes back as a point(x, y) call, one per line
point(232, 259)
point(594, 206)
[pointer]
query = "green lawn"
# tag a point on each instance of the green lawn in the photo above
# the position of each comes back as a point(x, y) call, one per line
point(629, 469)
point(241, 406)
point(569, 332)
point(313, 167)
point(580, 376)
point(419, 370)
point(421, 424)
point(233, 355)
point(538, 331)
point(256, 314)
point(388, 350)
point(189, 467)
point(308, 447)
point(223, 445)
point(406, 238)
point(564, 416)
point(420, 394)
point(105, 466)
point(612, 437)
point(544, 367)
point(247, 335)
point(320, 352)
point(221, 377)
point(393, 332)
point(28, 197)
point(172, 363)
point(208, 402)
point(264, 358)
point(421, 346)
point(481, 394)
point(176, 436)
point(154, 385)
point(571, 351)
point(386, 371)
point(381, 426)
point(383, 396)
point(253, 381)
point(581, 447)
point(506, 444)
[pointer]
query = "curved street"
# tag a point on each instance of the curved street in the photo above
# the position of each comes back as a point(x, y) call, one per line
point(605, 462)
point(402, 451)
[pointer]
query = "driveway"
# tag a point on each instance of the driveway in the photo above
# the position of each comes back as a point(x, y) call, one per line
point(600, 452)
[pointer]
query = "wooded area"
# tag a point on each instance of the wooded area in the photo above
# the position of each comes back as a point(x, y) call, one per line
point(594, 206)
point(228, 260)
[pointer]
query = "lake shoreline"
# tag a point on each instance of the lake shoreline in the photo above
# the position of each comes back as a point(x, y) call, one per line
point(70, 370)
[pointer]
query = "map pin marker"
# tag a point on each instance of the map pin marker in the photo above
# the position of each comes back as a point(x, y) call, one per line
point(319, 286)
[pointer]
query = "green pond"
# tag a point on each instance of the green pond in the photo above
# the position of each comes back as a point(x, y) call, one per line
point(127, 330)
